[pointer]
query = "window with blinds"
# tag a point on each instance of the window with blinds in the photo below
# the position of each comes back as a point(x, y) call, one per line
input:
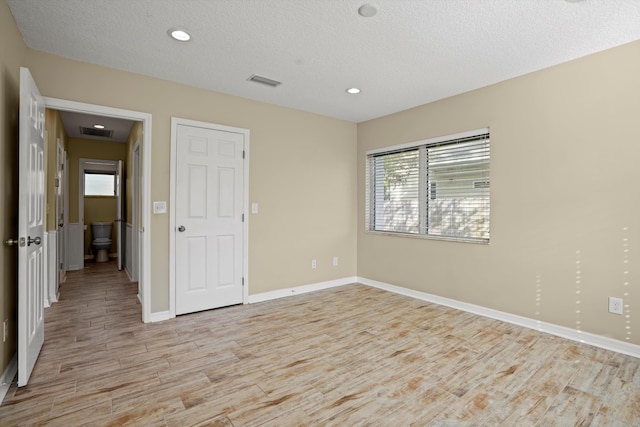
point(438, 187)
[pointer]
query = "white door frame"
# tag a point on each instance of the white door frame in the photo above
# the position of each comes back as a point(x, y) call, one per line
point(135, 211)
point(66, 212)
point(60, 211)
point(145, 118)
point(110, 166)
point(175, 122)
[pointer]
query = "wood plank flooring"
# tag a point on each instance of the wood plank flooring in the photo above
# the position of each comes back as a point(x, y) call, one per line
point(347, 356)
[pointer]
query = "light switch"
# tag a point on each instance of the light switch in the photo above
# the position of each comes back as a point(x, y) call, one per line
point(159, 207)
point(254, 208)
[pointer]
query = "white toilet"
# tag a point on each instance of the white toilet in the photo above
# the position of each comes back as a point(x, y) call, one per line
point(101, 240)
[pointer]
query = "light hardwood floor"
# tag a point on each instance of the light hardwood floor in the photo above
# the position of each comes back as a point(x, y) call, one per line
point(347, 356)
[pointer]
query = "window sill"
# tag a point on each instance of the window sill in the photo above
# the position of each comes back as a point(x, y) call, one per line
point(428, 237)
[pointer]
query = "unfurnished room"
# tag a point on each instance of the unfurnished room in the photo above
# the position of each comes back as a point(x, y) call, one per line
point(320, 212)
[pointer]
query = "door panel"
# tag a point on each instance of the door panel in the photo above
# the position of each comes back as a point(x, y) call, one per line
point(30, 227)
point(209, 229)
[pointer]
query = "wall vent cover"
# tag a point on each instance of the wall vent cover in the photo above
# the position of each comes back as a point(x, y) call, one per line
point(105, 133)
point(264, 80)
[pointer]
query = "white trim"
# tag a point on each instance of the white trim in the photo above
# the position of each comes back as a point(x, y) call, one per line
point(560, 331)
point(7, 376)
point(52, 271)
point(160, 316)
point(75, 252)
point(128, 264)
point(145, 118)
point(297, 290)
point(135, 211)
point(65, 228)
point(46, 269)
point(429, 141)
point(175, 121)
point(93, 165)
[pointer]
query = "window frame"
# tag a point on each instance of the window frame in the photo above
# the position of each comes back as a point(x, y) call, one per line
point(425, 193)
point(111, 174)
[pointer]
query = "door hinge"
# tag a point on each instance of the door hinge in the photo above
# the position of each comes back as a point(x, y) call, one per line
point(242, 217)
point(243, 281)
point(243, 154)
point(57, 184)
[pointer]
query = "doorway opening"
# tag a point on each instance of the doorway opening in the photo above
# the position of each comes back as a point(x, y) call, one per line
point(77, 240)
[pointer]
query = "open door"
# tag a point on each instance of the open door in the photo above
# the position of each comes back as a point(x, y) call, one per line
point(60, 215)
point(119, 222)
point(30, 227)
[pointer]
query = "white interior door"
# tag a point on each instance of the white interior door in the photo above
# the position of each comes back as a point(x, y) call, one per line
point(30, 227)
point(119, 222)
point(209, 215)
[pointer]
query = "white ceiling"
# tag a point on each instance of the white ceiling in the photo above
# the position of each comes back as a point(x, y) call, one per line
point(411, 53)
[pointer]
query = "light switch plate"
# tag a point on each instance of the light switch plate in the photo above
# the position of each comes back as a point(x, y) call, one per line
point(254, 208)
point(159, 207)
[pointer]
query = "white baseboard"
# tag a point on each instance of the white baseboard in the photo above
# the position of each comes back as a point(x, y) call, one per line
point(560, 331)
point(7, 377)
point(159, 316)
point(281, 293)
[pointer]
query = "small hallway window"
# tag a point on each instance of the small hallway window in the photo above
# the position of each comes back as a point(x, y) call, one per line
point(99, 184)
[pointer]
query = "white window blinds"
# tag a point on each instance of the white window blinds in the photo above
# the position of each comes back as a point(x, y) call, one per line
point(433, 188)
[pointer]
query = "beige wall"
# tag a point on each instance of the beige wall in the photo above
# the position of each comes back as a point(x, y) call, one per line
point(564, 200)
point(301, 171)
point(13, 54)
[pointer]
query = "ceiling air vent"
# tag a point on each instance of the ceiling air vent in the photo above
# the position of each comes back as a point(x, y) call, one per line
point(263, 80)
point(105, 133)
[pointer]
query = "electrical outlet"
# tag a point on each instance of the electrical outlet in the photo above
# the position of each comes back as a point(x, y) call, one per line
point(335, 261)
point(615, 305)
point(313, 263)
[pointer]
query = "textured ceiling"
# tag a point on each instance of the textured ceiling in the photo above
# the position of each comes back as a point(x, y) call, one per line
point(410, 53)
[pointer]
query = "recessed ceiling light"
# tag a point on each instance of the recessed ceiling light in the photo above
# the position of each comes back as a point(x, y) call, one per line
point(97, 126)
point(180, 35)
point(353, 90)
point(367, 10)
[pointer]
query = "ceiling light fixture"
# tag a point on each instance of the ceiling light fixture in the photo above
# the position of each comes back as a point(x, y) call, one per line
point(353, 90)
point(97, 126)
point(180, 35)
point(367, 10)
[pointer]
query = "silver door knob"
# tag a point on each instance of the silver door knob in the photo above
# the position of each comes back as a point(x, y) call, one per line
point(37, 241)
point(11, 242)
point(181, 229)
